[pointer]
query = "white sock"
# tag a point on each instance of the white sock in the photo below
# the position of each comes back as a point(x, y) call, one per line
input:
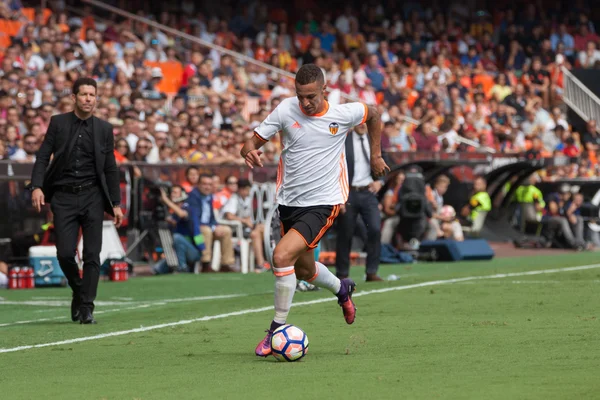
point(324, 278)
point(285, 287)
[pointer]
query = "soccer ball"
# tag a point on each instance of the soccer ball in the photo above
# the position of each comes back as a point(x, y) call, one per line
point(289, 343)
point(448, 213)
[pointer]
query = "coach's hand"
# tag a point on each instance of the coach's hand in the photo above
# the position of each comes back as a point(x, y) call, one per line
point(253, 158)
point(118, 216)
point(378, 166)
point(37, 199)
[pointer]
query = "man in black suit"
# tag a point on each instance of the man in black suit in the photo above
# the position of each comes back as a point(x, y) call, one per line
point(362, 201)
point(81, 183)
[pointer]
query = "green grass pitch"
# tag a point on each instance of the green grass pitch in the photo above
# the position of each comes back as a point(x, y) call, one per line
point(514, 336)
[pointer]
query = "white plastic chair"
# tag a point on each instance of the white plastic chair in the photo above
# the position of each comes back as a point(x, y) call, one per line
point(246, 253)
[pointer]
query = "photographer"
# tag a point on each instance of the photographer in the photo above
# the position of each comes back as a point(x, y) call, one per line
point(188, 241)
point(413, 208)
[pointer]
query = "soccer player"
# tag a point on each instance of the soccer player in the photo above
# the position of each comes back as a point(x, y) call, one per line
point(312, 185)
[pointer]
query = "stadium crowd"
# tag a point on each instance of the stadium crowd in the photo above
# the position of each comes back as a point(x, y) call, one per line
point(438, 76)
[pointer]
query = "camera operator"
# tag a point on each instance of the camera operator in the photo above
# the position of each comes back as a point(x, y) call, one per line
point(413, 208)
point(188, 241)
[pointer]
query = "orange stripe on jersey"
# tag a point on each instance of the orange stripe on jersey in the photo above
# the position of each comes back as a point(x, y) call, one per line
point(279, 174)
point(343, 179)
point(260, 137)
point(366, 114)
point(330, 219)
point(317, 114)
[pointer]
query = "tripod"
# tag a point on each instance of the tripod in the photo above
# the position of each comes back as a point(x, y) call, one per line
point(163, 234)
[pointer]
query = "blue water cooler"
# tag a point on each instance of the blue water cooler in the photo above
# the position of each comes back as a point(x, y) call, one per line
point(45, 265)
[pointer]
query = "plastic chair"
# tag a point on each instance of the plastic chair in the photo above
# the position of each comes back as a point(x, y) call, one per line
point(246, 253)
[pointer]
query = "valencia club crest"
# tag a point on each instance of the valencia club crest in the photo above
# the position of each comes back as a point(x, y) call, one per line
point(333, 128)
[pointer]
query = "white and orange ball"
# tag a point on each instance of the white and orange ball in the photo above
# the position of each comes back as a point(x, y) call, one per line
point(447, 213)
point(289, 343)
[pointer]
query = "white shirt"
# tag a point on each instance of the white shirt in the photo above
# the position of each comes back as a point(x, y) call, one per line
point(362, 165)
point(237, 206)
point(312, 169)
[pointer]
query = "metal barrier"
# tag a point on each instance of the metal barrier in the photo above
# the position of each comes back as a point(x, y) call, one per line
point(581, 99)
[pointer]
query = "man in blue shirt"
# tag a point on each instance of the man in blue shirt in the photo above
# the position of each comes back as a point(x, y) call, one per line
point(201, 201)
point(188, 240)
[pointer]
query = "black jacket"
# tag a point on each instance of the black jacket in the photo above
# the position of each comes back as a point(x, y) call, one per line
point(58, 143)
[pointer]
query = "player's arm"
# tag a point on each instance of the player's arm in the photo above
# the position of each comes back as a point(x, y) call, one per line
point(262, 134)
point(251, 153)
point(373, 121)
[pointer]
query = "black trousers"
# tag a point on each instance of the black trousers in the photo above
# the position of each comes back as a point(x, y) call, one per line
point(83, 210)
point(365, 204)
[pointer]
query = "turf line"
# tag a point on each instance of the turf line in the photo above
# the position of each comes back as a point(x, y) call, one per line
point(299, 304)
point(133, 306)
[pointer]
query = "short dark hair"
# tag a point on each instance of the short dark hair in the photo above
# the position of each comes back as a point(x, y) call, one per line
point(205, 175)
point(188, 169)
point(310, 73)
point(244, 183)
point(84, 81)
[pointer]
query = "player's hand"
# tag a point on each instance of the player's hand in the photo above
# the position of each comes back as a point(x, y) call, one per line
point(118, 216)
point(342, 209)
point(37, 199)
point(253, 158)
point(375, 187)
point(378, 166)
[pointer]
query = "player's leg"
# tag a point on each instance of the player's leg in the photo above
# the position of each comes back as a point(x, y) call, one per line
point(324, 278)
point(312, 227)
point(285, 255)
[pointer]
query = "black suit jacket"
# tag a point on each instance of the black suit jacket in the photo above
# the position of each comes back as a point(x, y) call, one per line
point(59, 143)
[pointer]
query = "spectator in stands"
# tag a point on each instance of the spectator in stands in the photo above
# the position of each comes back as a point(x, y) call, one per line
point(188, 241)
point(31, 145)
point(222, 196)
point(591, 138)
point(201, 200)
point(556, 226)
point(192, 176)
point(239, 207)
point(590, 57)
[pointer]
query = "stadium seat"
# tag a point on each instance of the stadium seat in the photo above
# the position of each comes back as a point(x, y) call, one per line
point(247, 263)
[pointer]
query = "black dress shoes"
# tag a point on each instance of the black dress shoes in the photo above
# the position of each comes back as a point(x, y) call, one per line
point(75, 313)
point(86, 316)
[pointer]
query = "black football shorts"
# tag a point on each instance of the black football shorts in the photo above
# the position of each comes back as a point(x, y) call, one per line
point(309, 222)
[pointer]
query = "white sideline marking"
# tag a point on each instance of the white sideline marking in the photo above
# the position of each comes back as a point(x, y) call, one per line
point(64, 303)
point(63, 317)
point(134, 305)
point(304, 303)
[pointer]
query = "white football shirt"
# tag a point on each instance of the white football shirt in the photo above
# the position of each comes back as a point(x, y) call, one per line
point(312, 169)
